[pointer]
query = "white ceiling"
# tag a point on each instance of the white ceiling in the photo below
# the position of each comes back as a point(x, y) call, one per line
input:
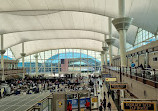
point(43, 22)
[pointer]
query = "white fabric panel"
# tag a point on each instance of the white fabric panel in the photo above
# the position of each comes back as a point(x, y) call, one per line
point(61, 20)
point(144, 15)
point(16, 38)
point(41, 45)
point(70, 16)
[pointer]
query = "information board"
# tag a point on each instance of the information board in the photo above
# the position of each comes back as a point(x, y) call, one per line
point(139, 106)
point(110, 79)
point(118, 86)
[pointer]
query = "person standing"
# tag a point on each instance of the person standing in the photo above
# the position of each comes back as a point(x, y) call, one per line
point(109, 106)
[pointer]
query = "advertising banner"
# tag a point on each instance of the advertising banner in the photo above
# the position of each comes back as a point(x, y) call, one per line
point(74, 103)
point(83, 102)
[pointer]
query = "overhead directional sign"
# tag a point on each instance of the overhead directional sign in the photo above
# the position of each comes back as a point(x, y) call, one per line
point(139, 106)
point(118, 86)
point(110, 79)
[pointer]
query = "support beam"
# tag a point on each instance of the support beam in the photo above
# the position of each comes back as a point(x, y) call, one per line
point(122, 25)
point(2, 51)
point(23, 60)
point(102, 60)
point(105, 49)
point(36, 57)
point(110, 42)
point(51, 64)
point(44, 64)
point(110, 37)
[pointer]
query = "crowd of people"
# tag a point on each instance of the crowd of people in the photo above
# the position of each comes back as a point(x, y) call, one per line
point(28, 86)
point(103, 103)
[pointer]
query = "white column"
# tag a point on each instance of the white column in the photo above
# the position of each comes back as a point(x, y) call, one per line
point(30, 64)
point(122, 34)
point(105, 49)
point(2, 59)
point(103, 45)
point(123, 47)
point(87, 63)
point(122, 24)
point(44, 63)
point(58, 63)
point(36, 57)
point(95, 61)
point(110, 37)
point(102, 60)
point(73, 60)
point(23, 60)
point(80, 60)
point(106, 58)
point(51, 63)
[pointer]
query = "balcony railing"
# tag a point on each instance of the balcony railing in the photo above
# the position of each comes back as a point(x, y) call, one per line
point(12, 71)
point(147, 76)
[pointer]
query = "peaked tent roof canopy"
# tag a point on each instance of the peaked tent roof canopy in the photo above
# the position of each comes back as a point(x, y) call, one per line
point(83, 23)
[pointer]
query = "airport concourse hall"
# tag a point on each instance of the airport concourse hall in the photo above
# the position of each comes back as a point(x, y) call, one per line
point(78, 55)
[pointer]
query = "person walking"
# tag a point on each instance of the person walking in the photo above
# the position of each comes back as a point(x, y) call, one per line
point(104, 94)
point(104, 103)
point(108, 93)
point(109, 106)
point(100, 107)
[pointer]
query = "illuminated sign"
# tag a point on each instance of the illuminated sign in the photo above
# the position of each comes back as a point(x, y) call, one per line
point(139, 106)
point(110, 79)
point(94, 99)
point(118, 86)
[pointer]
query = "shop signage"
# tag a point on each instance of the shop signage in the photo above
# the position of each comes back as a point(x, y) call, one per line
point(118, 86)
point(110, 79)
point(139, 106)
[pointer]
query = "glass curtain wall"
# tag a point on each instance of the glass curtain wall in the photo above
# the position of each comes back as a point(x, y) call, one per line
point(63, 60)
point(143, 37)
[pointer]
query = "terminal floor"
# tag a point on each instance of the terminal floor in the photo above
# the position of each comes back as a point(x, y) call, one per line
point(101, 95)
point(21, 102)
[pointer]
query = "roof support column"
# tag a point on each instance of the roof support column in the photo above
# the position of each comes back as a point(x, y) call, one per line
point(105, 49)
point(2, 51)
point(110, 37)
point(23, 60)
point(51, 63)
point(36, 57)
point(44, 63)
point(59, 63)
point(87, 63)
point(80, 60)
point(122, 24)
point(102, 60)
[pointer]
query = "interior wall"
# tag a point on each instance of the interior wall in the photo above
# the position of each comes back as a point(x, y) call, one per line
point(135, 60)
point(153, 64)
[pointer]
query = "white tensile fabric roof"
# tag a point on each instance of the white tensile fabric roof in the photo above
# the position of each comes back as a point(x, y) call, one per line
point(53, 24)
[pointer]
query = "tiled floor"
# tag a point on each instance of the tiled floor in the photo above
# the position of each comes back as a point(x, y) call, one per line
point(101, 96)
